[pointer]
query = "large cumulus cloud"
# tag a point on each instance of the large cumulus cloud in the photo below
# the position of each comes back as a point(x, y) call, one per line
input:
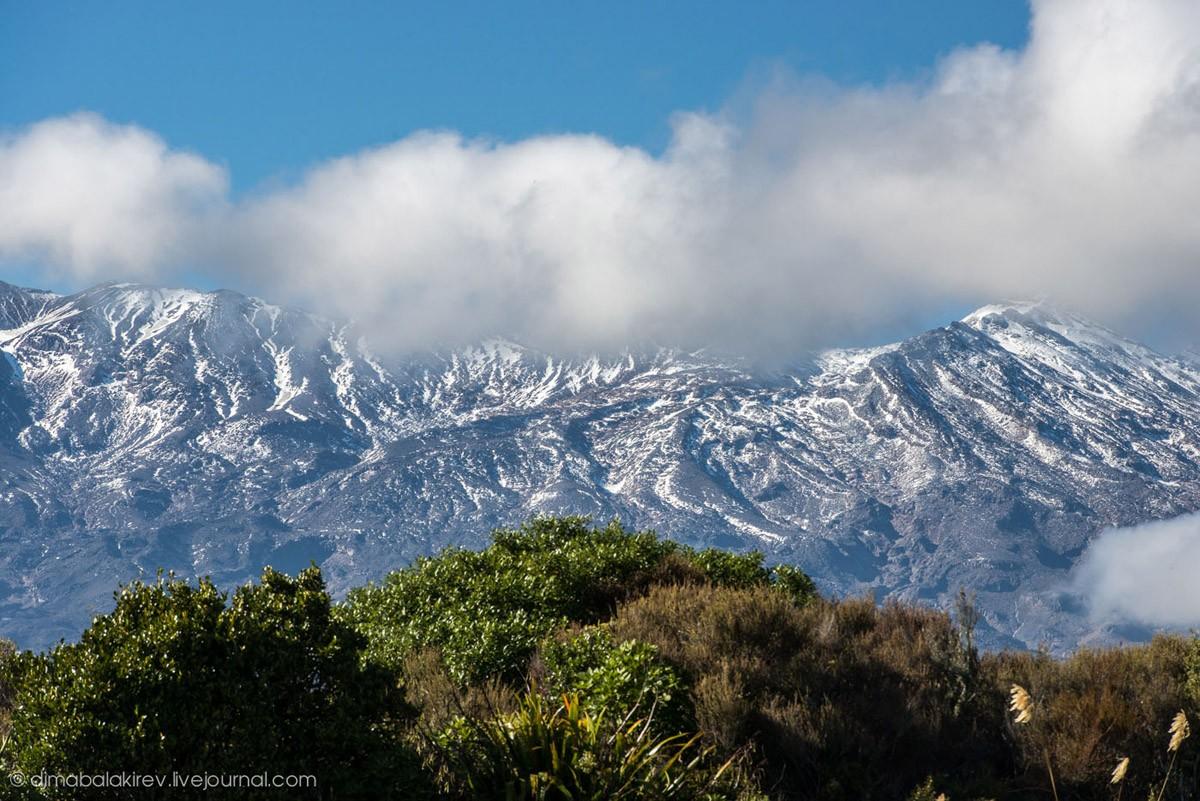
point(813, 214)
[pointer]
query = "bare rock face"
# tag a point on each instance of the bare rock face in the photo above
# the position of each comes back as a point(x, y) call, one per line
point(211, 434)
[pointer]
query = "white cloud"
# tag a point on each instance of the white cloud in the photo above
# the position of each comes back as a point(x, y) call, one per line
point(85, 196)
point(1070, 169)
point(1144, 574)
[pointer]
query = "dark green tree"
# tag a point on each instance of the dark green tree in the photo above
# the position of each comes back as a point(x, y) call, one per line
point(177, 680)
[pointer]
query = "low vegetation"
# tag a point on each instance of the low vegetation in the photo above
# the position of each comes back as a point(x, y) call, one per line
point(572, 662)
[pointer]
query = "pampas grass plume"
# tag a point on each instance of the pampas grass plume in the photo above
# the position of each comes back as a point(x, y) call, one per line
point(1180, 731)
point(1021, 704)
point(1118, 774)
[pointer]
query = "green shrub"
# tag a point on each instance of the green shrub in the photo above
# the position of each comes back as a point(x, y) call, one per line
point(175, 680)
point(794, 583)
point(487, 611)
point(728, 569)
point(615, 678)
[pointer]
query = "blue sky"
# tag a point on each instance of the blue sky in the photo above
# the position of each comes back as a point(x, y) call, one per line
point(269, 88)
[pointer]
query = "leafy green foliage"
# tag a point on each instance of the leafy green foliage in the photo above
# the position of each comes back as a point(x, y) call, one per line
point(794, 583)
point(613, 677)
point(566, 753)
point(175, 680)
point(411, 689)
point(488, 610)
point(728, 569)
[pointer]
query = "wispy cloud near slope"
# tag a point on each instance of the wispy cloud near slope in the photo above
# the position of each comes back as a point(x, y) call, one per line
point(1144, 574)
point(1069, 169)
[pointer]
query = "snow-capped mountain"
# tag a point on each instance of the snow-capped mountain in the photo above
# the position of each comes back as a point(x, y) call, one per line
point(212, 433)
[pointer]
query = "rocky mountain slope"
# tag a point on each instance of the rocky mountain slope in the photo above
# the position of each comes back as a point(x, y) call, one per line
point(212, 433)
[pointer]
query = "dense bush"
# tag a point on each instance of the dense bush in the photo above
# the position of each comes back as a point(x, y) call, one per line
point(844, 700)
point(614, 678)
point(488, 610)
point(566, 661)
point(1099, 706)
point(175, 680)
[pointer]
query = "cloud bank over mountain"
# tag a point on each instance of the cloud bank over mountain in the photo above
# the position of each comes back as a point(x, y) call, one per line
point(1144, 574)
point(804, 215)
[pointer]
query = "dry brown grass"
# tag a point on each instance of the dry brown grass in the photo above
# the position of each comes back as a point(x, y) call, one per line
point(723, 709)
point(842, 699)
point(439, 699)
point(1095, 709)
point(1021, 704)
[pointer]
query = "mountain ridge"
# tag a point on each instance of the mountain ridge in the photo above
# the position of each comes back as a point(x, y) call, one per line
point(212, 433)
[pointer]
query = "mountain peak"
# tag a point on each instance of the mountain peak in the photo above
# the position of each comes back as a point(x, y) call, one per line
point(1021, 325)
point(1039, 310)
point(152, 295)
